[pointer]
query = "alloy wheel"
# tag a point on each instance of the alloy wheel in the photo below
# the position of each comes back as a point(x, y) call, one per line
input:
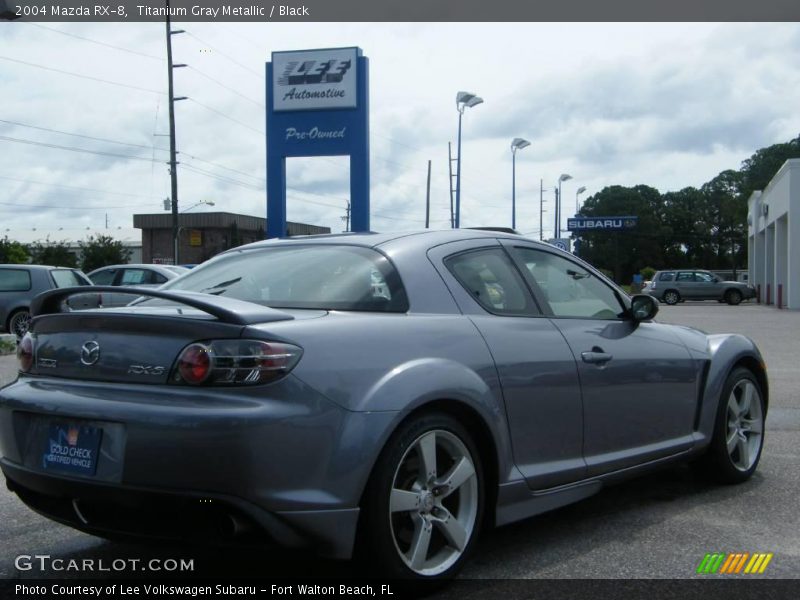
point(434, 502)
point(745, 425)
point(19, 323)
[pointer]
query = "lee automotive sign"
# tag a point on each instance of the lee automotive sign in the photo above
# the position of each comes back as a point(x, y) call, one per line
point(601, 223)
point(314, 79)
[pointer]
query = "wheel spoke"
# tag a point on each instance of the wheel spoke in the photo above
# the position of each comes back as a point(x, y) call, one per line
point(453, 531)
point(747, 398)
point(403, 501)
point(418, 553)
point(744, 452)
point(427, 457)
point(733, 406)
point(461, 472)
point(733, 439)
point(752, 425)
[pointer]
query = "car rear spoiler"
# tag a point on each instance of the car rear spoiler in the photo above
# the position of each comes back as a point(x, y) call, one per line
point(227, 310)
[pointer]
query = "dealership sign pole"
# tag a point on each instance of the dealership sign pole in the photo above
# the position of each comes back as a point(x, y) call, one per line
point(317, 105)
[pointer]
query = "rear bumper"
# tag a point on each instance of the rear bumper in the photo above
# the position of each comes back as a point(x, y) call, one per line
point(131, 512)
point(282, 459)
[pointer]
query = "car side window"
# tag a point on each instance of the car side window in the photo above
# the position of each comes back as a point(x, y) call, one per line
point(491, 278)
point(14, 280)
point(668, 276)
point(685, 277)
point(157, 277)
point(135, 277)
point(568, 289)
point(703, 278)
point(104, 277)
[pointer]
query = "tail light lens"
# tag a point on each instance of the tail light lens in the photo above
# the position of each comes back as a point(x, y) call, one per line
point(25, 353)
point(234, 362)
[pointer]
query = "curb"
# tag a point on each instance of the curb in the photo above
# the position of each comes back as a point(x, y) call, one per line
point(8, 343)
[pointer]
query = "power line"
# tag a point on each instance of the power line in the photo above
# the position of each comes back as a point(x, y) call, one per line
point(218, 166)
point(224, 116)
point(124, 85)
point(107, 45)
point(73, 187)
point(80, 135)
point(221, 53)
point(34, 206)
point(230, 89)
point(74, 149)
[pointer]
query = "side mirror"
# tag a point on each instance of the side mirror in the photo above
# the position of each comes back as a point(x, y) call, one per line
point(643, 307)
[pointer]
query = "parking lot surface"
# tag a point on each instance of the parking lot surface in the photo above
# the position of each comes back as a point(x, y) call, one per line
point(659, 526)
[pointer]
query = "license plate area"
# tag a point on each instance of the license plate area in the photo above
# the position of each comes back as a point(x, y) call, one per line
point(72, 448)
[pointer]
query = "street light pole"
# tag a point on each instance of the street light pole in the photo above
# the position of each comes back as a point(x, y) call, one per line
point(516, 144)
point(464, 100)
point(564, 177)
point(577, 200)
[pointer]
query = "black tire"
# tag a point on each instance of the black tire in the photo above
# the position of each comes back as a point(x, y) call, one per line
point(671, 297)
point(18, 322)
point(733, 297)
point(387, 539)
point(736, 465)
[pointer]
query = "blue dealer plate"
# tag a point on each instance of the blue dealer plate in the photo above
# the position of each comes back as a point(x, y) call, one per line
point(72, 448)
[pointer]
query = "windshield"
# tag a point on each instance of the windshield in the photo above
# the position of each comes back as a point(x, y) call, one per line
point(319, 277)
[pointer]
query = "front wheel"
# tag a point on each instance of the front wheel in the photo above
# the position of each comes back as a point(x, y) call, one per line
point(424, 504)
point(733, 297)
point(739, 429)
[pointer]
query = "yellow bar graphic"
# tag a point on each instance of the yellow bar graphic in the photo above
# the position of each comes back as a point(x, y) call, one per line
point(757, 564)
point(741, 562)
point(767, 558)
point(753, 560)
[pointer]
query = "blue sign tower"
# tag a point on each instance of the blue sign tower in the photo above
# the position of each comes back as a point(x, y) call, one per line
point(317, 105)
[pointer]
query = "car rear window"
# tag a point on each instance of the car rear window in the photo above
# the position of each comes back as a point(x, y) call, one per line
point(67, 278)
point(15, 280)
point(328, 277)
point(668, 276)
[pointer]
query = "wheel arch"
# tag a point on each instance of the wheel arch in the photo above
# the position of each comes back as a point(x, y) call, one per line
point(482, 435)
point(13, 311)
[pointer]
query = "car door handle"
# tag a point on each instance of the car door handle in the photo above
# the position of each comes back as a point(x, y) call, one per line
point(596, 356)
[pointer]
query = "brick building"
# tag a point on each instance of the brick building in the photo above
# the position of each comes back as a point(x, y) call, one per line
point(203, 235)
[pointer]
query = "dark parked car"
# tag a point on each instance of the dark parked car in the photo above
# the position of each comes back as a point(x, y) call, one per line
point(678, 285)
point(393, 392)
point(20, 283)
point(128, 275)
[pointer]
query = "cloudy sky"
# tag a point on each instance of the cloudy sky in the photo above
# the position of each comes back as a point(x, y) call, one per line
point(668, 105)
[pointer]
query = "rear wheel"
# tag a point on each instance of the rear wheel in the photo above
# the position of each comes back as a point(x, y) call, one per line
point(733, 297)
point(19, 322)
point(739, 429)
point(424, 503)
point(672, 297)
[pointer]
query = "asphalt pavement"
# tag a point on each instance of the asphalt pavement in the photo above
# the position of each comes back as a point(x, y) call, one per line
point(656, 527)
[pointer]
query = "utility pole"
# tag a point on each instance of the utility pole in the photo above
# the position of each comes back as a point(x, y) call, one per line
point(428, 200)
point(557, 233)
point(450, 160)
point(173, 163)
point(541, 209)
point(346, 218)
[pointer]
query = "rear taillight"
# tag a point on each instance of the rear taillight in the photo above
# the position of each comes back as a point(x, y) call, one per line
point(234, 362)
point(25, 353)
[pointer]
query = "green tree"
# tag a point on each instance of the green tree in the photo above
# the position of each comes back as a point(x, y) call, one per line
point(12, 252)
point(56, 254)
point(759, 169)
point(101, 251)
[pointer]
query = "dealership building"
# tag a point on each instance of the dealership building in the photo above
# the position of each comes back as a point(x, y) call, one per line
point(773, 243)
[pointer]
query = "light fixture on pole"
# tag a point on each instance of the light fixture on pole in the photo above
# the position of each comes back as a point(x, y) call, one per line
point(206, 202)
point(564, 177)
point(464, 100)
point(577, 200)
point(516, 144)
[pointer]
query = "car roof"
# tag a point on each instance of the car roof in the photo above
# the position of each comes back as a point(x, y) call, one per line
point(157, 268)
point(37, 267)
point(426, 237)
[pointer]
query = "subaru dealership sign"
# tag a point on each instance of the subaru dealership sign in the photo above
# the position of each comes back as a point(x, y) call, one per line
point(317, 105)
point(315, 79)
point(581, 224)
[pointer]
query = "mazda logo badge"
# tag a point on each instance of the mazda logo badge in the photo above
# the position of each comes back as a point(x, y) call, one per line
point(90, 353)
